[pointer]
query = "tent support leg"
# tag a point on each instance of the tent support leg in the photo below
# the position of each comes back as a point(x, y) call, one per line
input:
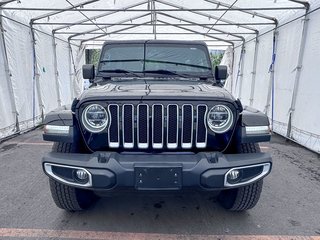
point(55, 66)
point(8, 77)
point(254, 70)
point(154, 18)
point(72, 70)
point(298, 72)
point(240, 71)
point(270, 97)
point(36, 74)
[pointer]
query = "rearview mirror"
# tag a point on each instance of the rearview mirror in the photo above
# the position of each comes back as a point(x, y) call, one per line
point(88, 71)
point(221, 73)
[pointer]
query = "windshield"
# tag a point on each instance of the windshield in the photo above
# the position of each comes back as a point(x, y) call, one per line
point(155, 58)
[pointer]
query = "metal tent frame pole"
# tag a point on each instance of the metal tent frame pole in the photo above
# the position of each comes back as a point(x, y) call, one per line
point(48, 15)
point(70, 71)
point(196, 24)
point(81, 12)
point(252, 13)
point(56, 72)
point(148, 33)
point(209, 16)
point(209, 45)
point(240, 70)
point(205, 40)
point(73, 70)
point(106, 23)
point(154, 18)
point(204, 34)
point(254, 70)
point(4, 2)
point(298, 71)
point(54, 48)
point(103, 35)
point(146, 10)
point(92, 31)
point(36, 74)
point(270, 96)
point(187, 29)
point(8, 77)
point(98, 16)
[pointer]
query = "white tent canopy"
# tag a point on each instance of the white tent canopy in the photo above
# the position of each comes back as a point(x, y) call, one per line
point(43, 42)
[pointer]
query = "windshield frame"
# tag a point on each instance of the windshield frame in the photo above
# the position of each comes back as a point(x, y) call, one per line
point(193, 74)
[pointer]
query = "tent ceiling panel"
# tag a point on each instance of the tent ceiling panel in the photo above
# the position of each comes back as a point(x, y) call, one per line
point(174, 30)
point(227, 20)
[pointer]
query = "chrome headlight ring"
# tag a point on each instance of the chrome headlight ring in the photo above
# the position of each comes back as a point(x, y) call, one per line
point(220, 119)
point(95, 118)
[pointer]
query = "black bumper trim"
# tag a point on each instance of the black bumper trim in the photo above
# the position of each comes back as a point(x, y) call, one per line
point(198, 170)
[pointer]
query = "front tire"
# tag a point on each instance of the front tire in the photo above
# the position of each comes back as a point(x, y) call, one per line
point(242, 198)
point(67, 197)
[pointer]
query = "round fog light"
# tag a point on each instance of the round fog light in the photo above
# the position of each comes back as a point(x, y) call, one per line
point(234, 176)
point(81, 176)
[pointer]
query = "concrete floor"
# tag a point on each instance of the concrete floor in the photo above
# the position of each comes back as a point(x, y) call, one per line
point(289, 205)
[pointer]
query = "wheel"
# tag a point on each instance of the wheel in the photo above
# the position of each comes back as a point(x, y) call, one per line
point(246, 197)
point(67, 197)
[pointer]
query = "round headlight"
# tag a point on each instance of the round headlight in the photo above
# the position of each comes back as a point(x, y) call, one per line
point(95, 118)
point(220, 119)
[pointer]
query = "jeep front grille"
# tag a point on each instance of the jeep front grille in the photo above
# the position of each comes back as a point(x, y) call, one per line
point(157, 126)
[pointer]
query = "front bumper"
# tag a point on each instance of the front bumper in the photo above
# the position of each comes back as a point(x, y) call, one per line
point(111, 170)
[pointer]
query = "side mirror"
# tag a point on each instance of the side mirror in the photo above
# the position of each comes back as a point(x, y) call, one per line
point(221, 73)
point(88, 71)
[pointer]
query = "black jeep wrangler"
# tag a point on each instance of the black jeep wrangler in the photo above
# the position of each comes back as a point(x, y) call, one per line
point(156, 118)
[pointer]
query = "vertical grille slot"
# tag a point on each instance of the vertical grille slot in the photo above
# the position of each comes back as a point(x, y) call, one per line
point(201, 133)
point(113, 132)
point(157, 126)
point(128, 125)
point(187, 126)
point(172, 126)
point(143, 126)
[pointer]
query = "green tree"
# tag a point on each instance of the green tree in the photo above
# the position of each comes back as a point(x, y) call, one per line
point(92, 56)
point(95, 56)
point(216, 59)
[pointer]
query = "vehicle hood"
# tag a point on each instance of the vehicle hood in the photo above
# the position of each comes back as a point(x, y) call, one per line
point(157, 90)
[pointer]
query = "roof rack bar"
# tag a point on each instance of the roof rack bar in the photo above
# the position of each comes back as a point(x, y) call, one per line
point(148, 10)
point(244, 11)
point(99, 16)
point(205, 15)
point(57, 12)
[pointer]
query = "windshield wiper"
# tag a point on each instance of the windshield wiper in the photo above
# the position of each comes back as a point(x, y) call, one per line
point(178, 63)
point(126, 72)
point(167, 72)
point(122, 60)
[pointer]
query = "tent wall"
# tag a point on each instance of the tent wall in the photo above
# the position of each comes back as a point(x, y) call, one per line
point(39, 72)
point(306, 124)
point(8, 116)
point(33, 89)
point(20, 59)
point(306, 115)
point(63, 68)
